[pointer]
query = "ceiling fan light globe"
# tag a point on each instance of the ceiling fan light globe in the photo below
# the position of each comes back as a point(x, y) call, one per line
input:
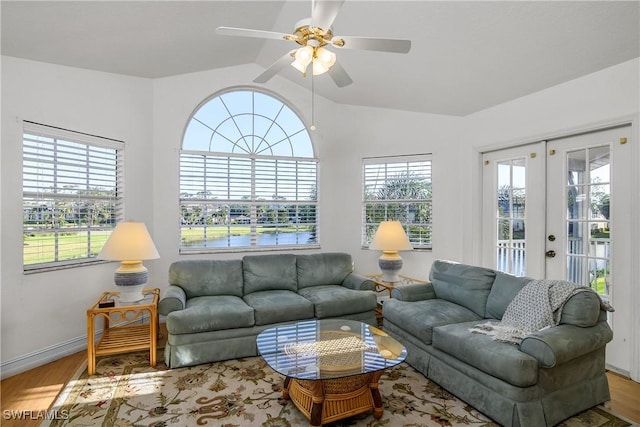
point(303, 58)
point(300, 67)
point(319, 68)
point(304, 55)
point(325, 56)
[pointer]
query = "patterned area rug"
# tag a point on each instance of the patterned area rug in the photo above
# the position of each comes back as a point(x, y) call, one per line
point(127, 392)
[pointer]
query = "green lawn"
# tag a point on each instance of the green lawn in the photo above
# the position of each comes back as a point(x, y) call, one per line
point(39, 248)
point(600, 286)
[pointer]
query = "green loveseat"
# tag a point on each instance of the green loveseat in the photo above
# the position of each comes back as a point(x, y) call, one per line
point(215, 308)
point(551, 375)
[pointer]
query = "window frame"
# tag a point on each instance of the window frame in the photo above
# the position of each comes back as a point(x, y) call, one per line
point(52, 154)
point(412, 228)
point(288, 169)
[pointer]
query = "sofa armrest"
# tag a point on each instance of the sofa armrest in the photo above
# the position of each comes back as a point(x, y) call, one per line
point(559, 344)
point(413, 292)
point(358, 282)
point(173, 299)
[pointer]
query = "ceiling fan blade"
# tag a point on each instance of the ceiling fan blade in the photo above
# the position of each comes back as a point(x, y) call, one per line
point(246, 32)
point(372, 43)
point(339, 75)
point(275, 68)
point(324, 13)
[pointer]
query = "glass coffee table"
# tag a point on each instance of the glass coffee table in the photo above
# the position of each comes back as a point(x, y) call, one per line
point(332, 366)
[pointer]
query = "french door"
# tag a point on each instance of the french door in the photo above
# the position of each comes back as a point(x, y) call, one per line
point(559, 209)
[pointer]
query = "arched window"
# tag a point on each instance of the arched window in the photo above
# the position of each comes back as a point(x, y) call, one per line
point(248, 176)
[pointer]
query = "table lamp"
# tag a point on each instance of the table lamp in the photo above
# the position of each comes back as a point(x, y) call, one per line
point(390, 238)
point(130, 243)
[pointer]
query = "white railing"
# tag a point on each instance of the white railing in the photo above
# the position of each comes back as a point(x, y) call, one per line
point(511, 257)
point(582, 261)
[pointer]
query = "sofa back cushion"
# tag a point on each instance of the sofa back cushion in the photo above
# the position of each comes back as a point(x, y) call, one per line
point(323, 269)
point(505, 288)
point(207, 277)
point(463, 284)
point(269, 272)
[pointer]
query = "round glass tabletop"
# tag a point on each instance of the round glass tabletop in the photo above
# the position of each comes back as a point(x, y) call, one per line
point(328, 348)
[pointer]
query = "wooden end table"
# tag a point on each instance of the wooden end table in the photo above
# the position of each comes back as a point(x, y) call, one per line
point(120, 334)
point(384, 289)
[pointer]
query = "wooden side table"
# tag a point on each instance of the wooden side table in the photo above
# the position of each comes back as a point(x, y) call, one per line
point(123, 336)
point(384, 289)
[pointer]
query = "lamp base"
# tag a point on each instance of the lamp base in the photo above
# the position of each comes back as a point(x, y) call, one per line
point(130, 280)
point(390, 264)
point(131, 293)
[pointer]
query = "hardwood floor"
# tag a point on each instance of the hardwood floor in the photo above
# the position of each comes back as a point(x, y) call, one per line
point(31, 393)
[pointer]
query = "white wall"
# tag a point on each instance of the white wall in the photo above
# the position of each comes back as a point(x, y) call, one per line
point(44, 314)
point(371, 132)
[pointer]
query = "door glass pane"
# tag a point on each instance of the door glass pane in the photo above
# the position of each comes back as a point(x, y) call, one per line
point(511, 201)
point(588, 232)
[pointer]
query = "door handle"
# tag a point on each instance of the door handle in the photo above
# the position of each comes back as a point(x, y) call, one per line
point(550, 254)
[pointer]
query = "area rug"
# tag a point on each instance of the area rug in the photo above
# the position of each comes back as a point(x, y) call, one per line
point(127, 392)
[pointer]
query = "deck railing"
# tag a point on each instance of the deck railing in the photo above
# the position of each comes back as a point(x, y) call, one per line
point(584, 264)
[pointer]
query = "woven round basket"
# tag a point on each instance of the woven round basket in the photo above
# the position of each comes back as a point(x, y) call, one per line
point(337, 351)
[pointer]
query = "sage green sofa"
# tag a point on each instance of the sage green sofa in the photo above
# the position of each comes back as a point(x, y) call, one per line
point(215, 308)
point(551, 375)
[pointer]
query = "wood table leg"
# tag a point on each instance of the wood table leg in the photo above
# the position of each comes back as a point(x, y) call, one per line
point(91, 355)
point(378, 408)
point(153, 336)
point(285, 388)
point(318, 401)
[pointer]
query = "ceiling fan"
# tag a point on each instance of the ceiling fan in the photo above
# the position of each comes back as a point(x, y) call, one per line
point(314, 35)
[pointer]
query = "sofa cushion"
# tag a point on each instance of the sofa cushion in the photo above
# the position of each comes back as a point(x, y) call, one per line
point(505, 288)
point(420, 317)
point(278, 306)
point(498, 359)
point(207, 277)
point(463, 284)
point(582, 309)
point(210, 313)
point(323, 269)
point(336, 300)
point(269, 272)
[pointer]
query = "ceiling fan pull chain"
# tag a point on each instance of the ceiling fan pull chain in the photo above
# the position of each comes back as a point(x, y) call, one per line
point(313, 119)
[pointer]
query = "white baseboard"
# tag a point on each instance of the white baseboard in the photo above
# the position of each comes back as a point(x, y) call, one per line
point(49, 354)
point(618, 371)
point(42, 357)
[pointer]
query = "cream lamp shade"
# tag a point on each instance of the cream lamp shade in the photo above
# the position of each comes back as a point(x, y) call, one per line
point(130, 243)
point(390, 238)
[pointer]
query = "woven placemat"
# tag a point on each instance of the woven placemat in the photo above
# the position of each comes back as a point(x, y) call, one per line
point(336, 350)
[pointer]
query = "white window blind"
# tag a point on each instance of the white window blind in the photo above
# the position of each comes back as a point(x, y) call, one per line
point(398, 188)
point(241, 202)
point(72, 195)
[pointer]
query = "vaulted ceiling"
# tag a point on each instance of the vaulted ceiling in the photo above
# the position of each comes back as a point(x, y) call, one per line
point(466, 55)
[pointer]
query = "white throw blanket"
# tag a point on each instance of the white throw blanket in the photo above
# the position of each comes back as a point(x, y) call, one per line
point(537, 306)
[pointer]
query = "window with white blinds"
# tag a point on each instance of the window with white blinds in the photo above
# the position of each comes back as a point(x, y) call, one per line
point(72, 189)
point(398, 188)
point(248, 178)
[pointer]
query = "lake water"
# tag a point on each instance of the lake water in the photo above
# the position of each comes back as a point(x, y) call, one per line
point(264, 239)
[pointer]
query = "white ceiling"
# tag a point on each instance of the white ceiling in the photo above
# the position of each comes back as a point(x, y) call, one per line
point(466, 55)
